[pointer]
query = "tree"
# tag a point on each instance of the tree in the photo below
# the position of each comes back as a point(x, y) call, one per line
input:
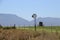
point(40, 23)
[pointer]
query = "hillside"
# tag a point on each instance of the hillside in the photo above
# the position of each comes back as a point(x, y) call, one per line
point(48, 21)
point(10, 19)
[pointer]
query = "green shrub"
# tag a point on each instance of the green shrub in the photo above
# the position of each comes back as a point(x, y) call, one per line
point(14, 27)
point(1, 26)
point(6, 27)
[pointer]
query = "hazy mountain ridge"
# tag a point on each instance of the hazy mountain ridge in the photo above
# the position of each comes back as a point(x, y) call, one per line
point(10, 19)
point(48, 21)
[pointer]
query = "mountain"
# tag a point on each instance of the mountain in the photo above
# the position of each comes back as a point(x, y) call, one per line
point(10, 20)
point(48, 21)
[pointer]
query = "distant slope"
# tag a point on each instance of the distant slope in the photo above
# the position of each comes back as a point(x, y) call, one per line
point(10, 19)
point(48, 21)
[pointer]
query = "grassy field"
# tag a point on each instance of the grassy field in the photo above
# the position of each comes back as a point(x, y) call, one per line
point(28, 33)
point(46, 28)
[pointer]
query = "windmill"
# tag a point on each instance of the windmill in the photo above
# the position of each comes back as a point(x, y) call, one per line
point(34, 16)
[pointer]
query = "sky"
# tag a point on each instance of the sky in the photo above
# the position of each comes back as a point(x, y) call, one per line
point(25, 8)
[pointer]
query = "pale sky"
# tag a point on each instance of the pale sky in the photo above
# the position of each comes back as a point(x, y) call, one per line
point(25, 8)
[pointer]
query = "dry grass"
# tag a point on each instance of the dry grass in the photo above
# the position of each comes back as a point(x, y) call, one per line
point(19, 34)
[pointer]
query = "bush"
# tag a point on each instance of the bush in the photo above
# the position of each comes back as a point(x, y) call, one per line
point(14, 27)
point(11, 27)
point(6, 27)
point(1, 26)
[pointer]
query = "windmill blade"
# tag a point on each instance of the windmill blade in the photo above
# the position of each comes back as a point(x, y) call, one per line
point(34, 15)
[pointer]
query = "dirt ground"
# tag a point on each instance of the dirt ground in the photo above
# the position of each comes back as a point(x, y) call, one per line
point(17, 34)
